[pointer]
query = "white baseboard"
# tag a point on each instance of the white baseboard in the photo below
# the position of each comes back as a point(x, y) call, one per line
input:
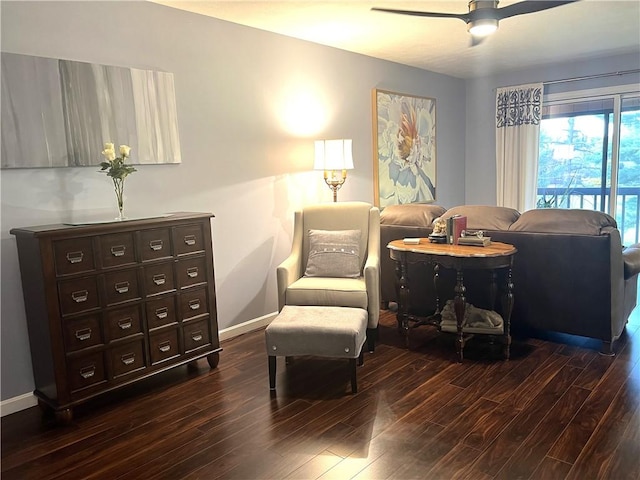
point(15, 404)
point(246, 327)
point(28, 400)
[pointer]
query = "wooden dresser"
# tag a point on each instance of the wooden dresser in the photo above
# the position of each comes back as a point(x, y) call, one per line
point(112, 303)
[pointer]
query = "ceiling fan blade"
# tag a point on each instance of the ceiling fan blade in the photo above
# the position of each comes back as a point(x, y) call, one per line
point(460, 16)
point(528, 7)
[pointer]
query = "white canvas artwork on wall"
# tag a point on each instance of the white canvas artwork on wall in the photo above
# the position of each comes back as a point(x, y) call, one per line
point(59, 113)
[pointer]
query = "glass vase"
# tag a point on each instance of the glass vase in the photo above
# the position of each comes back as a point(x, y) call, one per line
point(118, 184)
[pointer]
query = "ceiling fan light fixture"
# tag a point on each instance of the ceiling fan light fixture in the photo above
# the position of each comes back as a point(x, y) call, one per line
point(483, 27)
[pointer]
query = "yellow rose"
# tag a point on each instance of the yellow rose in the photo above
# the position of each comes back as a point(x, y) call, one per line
point(124, 150)
point(108, 152)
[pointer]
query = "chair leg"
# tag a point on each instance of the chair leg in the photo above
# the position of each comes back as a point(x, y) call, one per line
point(352, 368)
point(361, 357)
point(272, 372)
point(372, 336)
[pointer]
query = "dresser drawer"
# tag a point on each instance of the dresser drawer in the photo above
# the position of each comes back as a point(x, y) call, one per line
point(117, 250)
point(155, 244)
point(188, 239)
point(191, 271)
point(159, 279)
point(78, 295)
point(85, 371)
point(196, 335)
point(127, 358)
point(82, 333)
point(193, 303)
point(124, 322)
point(161, 312)
point(73, 256)
point(121, 286)
point(164, 345)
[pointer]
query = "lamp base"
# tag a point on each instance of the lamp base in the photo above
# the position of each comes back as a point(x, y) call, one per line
point(335, 181)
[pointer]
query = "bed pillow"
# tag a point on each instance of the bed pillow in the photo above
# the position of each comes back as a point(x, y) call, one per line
point(334, 253)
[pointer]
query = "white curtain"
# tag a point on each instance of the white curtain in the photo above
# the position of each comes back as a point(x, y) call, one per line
point(518, 114)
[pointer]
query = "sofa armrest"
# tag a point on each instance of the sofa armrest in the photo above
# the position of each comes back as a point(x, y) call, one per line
point(631, 259)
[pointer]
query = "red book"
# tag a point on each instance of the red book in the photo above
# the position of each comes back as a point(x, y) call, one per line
point(455, 226)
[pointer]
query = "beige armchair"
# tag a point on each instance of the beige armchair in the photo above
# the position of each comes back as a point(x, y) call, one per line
point(334, 260)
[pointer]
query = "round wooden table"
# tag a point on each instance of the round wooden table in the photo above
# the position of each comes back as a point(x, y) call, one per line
point(459, 257)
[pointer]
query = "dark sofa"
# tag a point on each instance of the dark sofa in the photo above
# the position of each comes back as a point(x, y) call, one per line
point(571, 272)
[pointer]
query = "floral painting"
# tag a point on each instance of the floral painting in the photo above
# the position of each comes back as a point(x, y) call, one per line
point(404, 148)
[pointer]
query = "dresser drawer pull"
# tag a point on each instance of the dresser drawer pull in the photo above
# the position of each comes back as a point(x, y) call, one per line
point(84, 334)
point(164, 347)
point(128, 358)
point(162, 312)
point(122, 287)
point(159, 279)
point(75, 257)
point(196, 336)
point(194, 304)
point(125, 323)
point(118, 250)
point(88, 372)
point(80, 296)
point(190, 240)
point(156, 245)
point(192, 272)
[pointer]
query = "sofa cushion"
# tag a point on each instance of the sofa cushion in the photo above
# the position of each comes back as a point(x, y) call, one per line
point(485, 217)
point(414, 214)
point(562, 220)
point(334, 253)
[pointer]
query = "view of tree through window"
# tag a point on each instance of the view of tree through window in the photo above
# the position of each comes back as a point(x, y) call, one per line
point(576, 151)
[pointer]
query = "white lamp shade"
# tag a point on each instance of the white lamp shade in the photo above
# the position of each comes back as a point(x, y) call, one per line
point(333, 155)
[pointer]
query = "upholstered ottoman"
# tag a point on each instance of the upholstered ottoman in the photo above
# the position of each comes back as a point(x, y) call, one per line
point(337, 332)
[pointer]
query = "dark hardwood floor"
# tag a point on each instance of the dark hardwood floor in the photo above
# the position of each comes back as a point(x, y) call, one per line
point(556, 410)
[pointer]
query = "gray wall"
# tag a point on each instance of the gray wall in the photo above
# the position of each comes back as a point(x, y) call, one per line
point(247, 155)
point(480, 171)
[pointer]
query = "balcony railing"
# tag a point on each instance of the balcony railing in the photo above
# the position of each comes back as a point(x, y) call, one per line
point(627, 205)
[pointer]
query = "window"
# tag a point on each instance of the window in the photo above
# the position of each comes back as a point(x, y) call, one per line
point(590, 156)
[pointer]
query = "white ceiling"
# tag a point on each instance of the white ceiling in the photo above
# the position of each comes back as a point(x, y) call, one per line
point(576, 31)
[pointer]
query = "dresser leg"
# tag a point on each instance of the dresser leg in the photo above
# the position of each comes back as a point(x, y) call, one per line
point(192, 366)
point(64, 417)
point(213, 359)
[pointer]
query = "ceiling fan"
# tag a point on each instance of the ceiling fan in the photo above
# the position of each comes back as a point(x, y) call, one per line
point(484, 15)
